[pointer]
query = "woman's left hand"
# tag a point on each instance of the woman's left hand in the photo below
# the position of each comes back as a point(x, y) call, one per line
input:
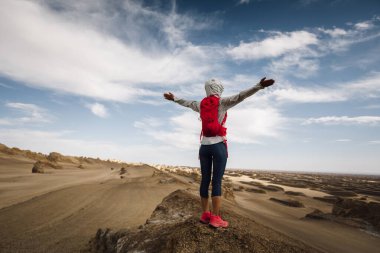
point(266, 83)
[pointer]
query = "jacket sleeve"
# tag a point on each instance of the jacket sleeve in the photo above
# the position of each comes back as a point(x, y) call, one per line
point(194, 105)
point(231, 101)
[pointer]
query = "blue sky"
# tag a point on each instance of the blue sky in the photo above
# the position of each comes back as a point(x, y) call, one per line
point(87, 77)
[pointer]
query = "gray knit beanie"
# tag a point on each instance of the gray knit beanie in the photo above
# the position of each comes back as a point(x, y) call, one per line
point(214, 87)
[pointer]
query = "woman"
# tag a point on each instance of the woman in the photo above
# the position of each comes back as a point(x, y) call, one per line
point(213, 150)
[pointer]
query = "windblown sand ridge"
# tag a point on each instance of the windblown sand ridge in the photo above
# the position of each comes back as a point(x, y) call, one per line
point(60, 210)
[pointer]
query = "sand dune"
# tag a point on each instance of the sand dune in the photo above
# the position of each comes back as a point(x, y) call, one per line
point(62, 209)
point(64, 220)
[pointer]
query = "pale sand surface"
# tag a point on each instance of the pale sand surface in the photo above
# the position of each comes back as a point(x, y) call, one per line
point(64, 220)
point(17, 183)
point(323, 235)
point(306, 191)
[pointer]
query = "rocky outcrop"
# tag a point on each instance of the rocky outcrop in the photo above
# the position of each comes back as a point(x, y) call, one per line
point(288, 202)
point(255, 190)
point(38, 167)
point(54, 157)
point(352, 208)
point(174, 227)
point(317, 215)
point(27, 153)
point(292, 193)
point(352, 212)
point(342, 193)
point(228, 191)
point(272, 188)
point(328, 199)
point(252, 183)
point(122, 171)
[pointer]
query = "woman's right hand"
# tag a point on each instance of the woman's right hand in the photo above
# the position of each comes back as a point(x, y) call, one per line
point(169, 96)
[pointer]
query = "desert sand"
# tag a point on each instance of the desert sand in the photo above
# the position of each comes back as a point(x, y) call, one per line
point(88, 205)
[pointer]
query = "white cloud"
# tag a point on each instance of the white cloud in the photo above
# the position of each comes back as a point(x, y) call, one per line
point(244, 2)
point(364, 25)
point(290, 53)
point(364, 87)
point(297, 53)
point(308, 95)
point(335, 32)
point(374, 142)
point(31, 114)
point(184, 134)
point(295, 64)
point(251, 125)
point(344, 120)
point(149, 122)
point(368, 86)
point(343, 140)
point(373, 106)
point(89, 50)
point(304, 62)
point(5, 122)
point(274, 46)
point(53, 50)
point(307, 2)
point(341, 39)
point(98, 109)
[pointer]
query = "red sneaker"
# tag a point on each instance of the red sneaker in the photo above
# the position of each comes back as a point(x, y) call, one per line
point(205, 218)
point(217, 222)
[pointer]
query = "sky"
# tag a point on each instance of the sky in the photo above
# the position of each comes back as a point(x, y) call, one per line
point(86, 78)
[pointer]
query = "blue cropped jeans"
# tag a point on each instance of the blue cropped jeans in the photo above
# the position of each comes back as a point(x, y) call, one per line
point(213, 160)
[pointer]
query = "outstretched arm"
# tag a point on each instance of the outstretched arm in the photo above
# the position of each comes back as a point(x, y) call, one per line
point(231, 101)
point(187, 103)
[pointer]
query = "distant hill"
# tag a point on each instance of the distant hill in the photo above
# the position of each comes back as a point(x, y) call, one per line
point(53, 157)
